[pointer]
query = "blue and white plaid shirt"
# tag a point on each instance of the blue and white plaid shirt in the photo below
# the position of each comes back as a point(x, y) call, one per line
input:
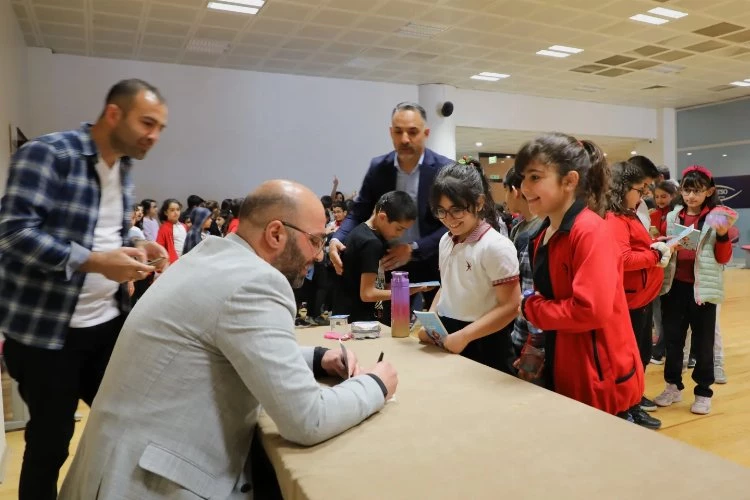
point(47, 221)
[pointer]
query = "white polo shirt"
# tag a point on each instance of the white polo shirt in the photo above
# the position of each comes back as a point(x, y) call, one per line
point(470, 270)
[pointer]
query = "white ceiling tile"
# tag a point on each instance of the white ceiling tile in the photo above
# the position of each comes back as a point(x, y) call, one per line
point(222, 20)
point(332, 17)
point(328, 58)
point(470, 5)
point(73, 4)
point(262, 39)
point(356, 5)
point(55, 15)
point(166, 28)
point(113, 48)
point(380, 23)
point(442, 16)
point(163, 52)
point(215, 33)
point(315, 31)
point(60, 43)
point(172, 13)
point(361, 37)
point(293, 55)
point(274, 10)
point(402, 8)
point(399, 42)
point(116, 22)
point(200, 58)
point(163, 41)
point(129, 7)
point(62, 30)
point(273, 26)
point(251, 50)
point(304, 44)
point(184, 3)
point(101, 35)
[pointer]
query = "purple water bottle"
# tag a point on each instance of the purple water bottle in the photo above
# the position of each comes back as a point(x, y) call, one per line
point(400, 313)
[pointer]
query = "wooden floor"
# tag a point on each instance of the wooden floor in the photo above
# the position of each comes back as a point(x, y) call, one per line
point(723, 432)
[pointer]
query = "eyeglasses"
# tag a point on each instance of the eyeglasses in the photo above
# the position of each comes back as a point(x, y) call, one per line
point(456, 212)
point(688, 192)
point(316, 241)
point(639, 191)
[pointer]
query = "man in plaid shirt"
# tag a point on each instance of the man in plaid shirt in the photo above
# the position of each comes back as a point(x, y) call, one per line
point(63, 261)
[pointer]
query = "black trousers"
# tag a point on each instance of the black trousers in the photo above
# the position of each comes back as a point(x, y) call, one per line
point(495, 350)
point(679, 310)
point(642, 320)
point(51, 383)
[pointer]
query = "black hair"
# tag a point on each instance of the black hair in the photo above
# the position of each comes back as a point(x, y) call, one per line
point(698, 180)
point(339, 204)
point(349, 205)
point(138, 224)
point(646, 165)
point(226, 204)
point(398, 206)
point(512, 179)
point(567, 154)
point(193, 201)
point(664, 172)
point(343, 196)
point(668, 187)
point(236, 207)
point(146, 204)
point(624, 176)
point(327, 201)
point(165, 207)
point(123, 92)
point(464, 184)
point(410, 106)
point(211, 204)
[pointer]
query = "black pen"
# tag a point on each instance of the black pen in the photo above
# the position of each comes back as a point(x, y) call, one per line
point(380, 358)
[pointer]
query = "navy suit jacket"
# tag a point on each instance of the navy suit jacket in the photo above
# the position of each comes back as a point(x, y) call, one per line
point(380, 179)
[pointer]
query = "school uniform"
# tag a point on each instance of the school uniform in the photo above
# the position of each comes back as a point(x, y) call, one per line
point(469, 271)
point(590, 350)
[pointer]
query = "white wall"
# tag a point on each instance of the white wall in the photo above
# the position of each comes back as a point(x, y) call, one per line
point(13, 84)
point(519, 112)
point(228, 130)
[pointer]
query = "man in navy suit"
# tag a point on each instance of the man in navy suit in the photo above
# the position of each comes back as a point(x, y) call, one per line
point(412, 168)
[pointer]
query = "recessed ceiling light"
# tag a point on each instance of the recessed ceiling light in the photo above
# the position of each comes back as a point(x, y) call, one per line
point(724, 155)
point(690, 154)
point(509, 156)
point(674, 14)
point(552, 53)
point(741, 84)
point(493, 75)
point(232, 8)
point(634, 152)
point(484, 78)
point(643, 18)
point(605, 154)
point(563, 48)
point(478, 144)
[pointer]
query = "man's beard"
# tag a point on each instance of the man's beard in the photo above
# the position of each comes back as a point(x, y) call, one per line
point(290, 263)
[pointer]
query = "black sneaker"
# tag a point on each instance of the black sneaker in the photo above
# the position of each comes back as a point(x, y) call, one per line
point(647, 405)
point(691, 362)
point(643, 419)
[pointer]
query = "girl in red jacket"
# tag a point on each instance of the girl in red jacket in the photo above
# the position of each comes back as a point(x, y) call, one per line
point(643, 263)
point(664, 193)
point(172, 232)
point(590, 350)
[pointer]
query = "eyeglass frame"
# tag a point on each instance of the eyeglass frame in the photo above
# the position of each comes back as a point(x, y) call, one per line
point(310, 237)
point(452, 211)
point(684, 191)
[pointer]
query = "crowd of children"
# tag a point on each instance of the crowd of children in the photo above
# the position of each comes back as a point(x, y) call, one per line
point(563, 285)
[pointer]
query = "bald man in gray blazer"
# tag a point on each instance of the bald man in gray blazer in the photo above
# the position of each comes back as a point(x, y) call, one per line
point(209, 344)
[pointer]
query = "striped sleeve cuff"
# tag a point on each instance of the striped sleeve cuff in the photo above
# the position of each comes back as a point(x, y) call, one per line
point(505, 281)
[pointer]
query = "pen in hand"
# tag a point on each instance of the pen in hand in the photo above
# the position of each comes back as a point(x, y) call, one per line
point(380, 358)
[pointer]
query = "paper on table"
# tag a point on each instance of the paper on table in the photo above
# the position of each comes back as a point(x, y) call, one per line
point(424, 283)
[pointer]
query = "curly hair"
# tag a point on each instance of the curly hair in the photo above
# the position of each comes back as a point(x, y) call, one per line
point(623, 176)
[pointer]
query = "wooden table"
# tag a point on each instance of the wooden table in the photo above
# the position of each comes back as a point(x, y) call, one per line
point(458, 429)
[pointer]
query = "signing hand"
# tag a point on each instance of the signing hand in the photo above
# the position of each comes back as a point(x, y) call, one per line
point(397, 256)
point(120, 265)
point(333, 363)
point(154, 253)
point(335, 247)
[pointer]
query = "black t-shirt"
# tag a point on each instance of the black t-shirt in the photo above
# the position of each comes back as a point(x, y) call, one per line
point(364, 249)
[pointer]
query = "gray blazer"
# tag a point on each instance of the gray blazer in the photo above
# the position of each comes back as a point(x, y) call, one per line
point(209, 344)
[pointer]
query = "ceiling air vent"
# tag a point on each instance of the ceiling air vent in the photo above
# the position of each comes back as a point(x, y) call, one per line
point(415, 30)
point(207, 46)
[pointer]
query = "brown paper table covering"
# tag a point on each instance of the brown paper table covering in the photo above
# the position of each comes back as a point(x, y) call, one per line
point(458, 429)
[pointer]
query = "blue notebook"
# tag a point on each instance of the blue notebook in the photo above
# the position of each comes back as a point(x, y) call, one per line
point(432, 324)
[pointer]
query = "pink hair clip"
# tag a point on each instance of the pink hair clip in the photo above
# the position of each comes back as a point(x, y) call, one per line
point(698, 168)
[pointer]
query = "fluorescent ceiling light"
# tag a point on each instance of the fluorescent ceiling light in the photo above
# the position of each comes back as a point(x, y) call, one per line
point(661, 11)
point(232, 8)
point(552, 53)
point(690, 154)
point(724, 155)
point(741, 84)
point(484, 78)
point(478, 144)
point(563, 48)
point(649, 19)
point(493, 75)
point(634, 152)
point(509, 156)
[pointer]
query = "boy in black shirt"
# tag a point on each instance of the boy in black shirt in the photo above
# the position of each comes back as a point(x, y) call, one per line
point(361, 288)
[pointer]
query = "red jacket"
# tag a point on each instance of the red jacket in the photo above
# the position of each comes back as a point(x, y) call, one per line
point(659, 217)
point(590, 346)
point(165, 237)
point(641, 278)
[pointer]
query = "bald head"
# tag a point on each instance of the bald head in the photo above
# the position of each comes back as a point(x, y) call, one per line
point(278, 199)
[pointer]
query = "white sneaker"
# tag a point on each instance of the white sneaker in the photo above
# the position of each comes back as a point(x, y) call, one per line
point(720, 376)
point(657, 361)
point(702, 405)
point(670, 395)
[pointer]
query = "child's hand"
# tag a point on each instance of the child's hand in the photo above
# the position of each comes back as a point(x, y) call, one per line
point(721, 229)
point(425, 337)
point(528, 377)
point(455, 343)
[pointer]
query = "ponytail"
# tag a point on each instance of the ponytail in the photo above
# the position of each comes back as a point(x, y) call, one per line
point(489, 211)
point(464, 183)
point(597, 179)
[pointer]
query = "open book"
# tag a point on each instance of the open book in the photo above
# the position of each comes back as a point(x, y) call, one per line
point(432, 325)
point(687, 237)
